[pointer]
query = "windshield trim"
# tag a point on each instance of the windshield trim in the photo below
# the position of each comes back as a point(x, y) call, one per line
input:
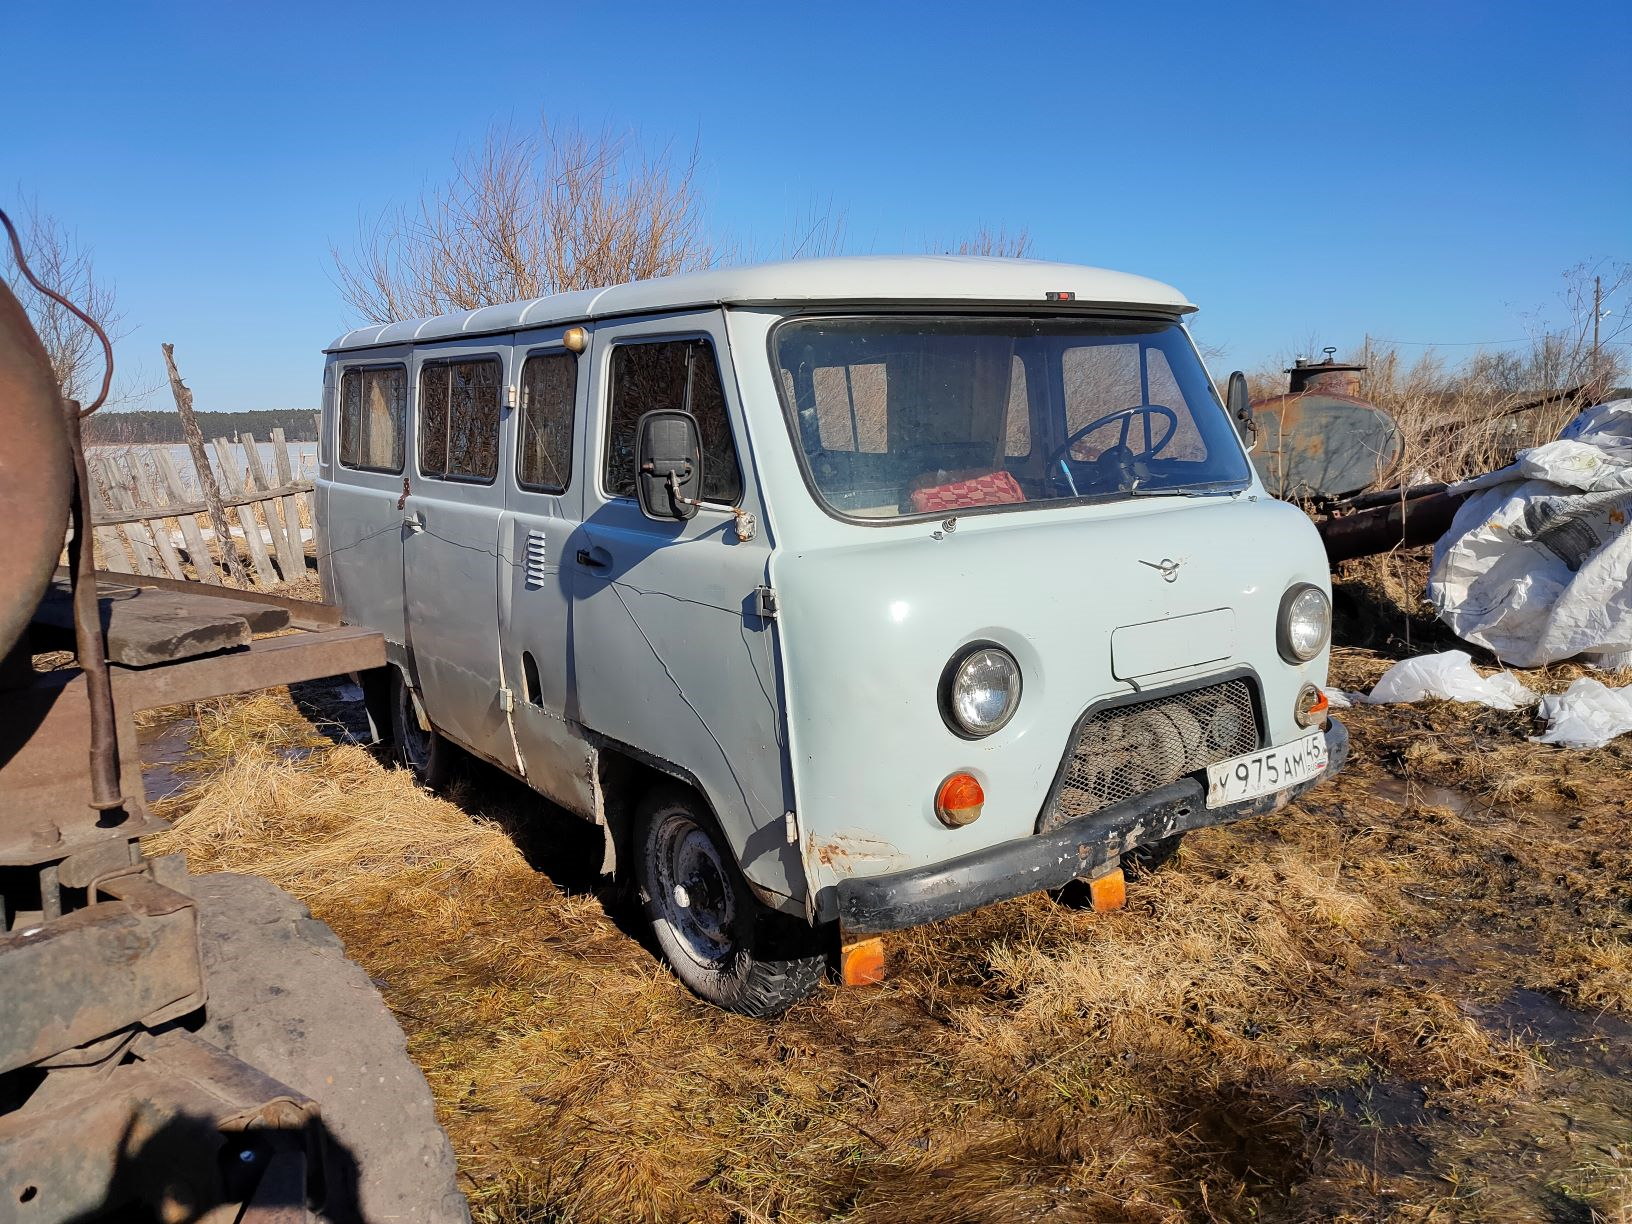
point(1120, 314)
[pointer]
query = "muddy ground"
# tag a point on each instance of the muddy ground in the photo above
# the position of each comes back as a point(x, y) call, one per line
point(1407, 998)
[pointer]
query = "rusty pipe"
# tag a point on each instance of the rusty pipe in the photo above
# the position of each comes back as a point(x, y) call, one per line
point(90, 645)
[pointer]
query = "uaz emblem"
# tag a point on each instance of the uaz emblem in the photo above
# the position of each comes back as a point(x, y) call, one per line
point(1168, 567)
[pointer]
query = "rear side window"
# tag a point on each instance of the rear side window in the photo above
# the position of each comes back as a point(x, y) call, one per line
point(459, 419)
point(373, 410)
point(670, 374)
point(549, 388)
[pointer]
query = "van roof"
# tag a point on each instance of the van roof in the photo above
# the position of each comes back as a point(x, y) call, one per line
point(924, 279)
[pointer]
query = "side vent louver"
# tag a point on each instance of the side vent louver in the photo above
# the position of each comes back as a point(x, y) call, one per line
point(537, 559)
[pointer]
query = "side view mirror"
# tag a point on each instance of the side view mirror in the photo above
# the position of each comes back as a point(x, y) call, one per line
point(1239, 403)
point(668, 464)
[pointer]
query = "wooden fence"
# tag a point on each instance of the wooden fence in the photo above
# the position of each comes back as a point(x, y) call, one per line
point(146, 519)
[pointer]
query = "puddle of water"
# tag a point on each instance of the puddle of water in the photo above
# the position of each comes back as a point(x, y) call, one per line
point(1595, 1041)
point(1381, 1120)
point(1422, 794)
point(1409, 794)
point(163, 747)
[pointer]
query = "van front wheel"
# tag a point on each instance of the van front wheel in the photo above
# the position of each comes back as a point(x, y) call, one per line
point(720, 941)
point(419, 747)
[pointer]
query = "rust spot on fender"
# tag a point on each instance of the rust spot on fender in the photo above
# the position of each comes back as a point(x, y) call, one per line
point(845, 851)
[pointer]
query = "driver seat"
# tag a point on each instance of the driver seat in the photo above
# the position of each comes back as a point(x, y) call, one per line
point(998, 488)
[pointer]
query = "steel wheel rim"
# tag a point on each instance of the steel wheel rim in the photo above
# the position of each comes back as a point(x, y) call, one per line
point(694, 894)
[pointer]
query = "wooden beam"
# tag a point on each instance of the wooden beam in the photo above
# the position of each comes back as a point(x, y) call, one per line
point(265, 663)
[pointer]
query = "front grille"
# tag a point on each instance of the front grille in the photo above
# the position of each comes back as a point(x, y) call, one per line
point(1123, 751)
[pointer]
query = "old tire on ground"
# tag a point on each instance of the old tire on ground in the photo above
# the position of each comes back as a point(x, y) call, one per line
point(284, 998)
point(720, 941)
point(419, 746)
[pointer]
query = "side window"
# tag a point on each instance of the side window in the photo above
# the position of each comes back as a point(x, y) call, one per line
point(459, 419)
point(549, 387)
point(670, 374)
point(373, 410)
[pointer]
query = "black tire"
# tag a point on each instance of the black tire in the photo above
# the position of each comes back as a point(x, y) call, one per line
point(419, 747)
point(725, 946)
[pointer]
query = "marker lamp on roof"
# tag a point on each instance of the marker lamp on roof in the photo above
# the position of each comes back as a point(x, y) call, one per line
point(1061, 295)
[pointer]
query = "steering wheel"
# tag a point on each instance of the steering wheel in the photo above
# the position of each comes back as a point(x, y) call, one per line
point(1121, 457)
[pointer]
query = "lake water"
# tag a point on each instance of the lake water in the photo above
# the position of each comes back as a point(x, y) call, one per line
point(302, 458)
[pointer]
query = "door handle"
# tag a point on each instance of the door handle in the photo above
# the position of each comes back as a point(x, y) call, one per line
point(597, 558)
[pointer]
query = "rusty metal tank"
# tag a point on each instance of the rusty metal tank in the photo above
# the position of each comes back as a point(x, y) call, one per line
point(1322, 441)
point(36, 471)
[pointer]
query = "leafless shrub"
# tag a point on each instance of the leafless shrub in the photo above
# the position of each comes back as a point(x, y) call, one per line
point(999, 243)
point(59, 260)
point(530, 214)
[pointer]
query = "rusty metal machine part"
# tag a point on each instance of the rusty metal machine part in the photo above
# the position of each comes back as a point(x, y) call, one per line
point(105, 1108)
point(36, 471)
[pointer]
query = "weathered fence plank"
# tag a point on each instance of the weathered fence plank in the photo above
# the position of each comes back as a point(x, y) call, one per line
point(291, 502)
point(246, 515)
point(115, 553)
point(289, 558)
point(147, 495)
point(142, 552)
point(203, 562)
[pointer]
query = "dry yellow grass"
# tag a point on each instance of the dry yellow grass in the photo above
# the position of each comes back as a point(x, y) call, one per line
point(1353, 1010)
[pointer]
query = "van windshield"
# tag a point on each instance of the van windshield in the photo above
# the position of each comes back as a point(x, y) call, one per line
point(906, 415)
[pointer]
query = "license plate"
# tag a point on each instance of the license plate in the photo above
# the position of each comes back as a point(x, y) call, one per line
point(1265, 771)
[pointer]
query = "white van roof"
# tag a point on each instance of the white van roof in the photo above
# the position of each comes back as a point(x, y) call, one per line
point(922, 279)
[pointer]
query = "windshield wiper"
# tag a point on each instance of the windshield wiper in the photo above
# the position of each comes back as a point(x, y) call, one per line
point(1206, 488)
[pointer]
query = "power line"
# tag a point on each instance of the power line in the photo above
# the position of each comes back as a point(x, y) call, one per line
point(1472, 343)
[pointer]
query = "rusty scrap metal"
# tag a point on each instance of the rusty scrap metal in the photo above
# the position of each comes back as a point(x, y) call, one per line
point(1321, 440)
point(1391, 519)
point(99, 945)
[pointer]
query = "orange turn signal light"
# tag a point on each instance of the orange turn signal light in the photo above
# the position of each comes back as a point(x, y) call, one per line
point(1312, 706)
point(959, 800)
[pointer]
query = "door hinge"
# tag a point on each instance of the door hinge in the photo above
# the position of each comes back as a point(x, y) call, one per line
point(507, 701)
point(765, 603)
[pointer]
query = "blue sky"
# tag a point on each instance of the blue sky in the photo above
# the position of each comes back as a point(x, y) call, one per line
point(1419, 171)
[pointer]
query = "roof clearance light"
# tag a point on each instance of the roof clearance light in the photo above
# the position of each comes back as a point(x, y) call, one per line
point(1061, 295)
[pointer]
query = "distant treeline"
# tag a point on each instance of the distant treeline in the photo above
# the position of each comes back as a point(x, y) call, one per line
point(298, 425)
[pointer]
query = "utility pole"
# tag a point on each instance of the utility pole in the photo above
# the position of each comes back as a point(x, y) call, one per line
point(1597, 313)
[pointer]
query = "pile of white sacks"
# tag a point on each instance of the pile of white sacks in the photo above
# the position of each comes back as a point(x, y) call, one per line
point(1535, 568)
point(1588, 714)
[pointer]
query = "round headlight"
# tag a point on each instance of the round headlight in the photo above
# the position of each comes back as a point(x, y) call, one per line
point(1306, 623)
point(983, 691)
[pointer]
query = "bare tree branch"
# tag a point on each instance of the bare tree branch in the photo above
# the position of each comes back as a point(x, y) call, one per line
point(529, 214)
point(58, 259)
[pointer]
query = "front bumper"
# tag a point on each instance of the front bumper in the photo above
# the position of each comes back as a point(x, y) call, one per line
point(869, 904)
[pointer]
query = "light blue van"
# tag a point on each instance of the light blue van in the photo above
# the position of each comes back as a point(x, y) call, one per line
point(843, 595)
